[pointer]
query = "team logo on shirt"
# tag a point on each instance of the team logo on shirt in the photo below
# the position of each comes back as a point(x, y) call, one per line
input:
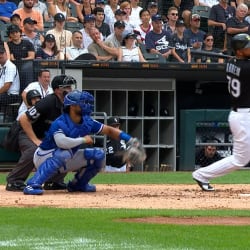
point(161, 44)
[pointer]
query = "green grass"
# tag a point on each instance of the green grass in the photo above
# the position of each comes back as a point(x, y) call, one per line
point(89, 229)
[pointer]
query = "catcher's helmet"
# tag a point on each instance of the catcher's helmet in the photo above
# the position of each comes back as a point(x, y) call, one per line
point(240, 41)
point(61, 81)
point(32, 94)
point(82, 98)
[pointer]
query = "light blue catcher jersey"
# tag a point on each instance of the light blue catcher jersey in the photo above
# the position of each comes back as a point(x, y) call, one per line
point(63, 124)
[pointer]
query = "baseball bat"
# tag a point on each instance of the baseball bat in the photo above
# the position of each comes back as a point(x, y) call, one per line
point(211, 54)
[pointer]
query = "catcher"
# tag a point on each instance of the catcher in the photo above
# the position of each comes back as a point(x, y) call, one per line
point(59, 151)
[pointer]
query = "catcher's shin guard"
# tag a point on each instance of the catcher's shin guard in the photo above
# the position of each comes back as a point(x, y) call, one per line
point(50, 167)
point(95, 161)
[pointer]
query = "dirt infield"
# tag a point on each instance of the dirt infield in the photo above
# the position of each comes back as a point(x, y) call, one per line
point(235, 196)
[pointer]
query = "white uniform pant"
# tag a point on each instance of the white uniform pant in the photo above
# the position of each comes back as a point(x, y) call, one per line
point(114, 169)
point(239, 123)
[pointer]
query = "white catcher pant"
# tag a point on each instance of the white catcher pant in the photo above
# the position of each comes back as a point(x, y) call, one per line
point(239, 123)
point(78, 161)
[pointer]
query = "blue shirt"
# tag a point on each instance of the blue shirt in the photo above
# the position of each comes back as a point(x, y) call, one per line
point(7, 8)
point(63, 124)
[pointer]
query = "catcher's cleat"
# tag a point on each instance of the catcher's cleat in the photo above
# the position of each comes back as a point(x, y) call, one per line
point(204, 186)
point(54, 186)
point(33, 190)
point(74, 187)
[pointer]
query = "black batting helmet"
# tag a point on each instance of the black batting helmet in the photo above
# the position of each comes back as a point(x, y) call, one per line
point(32, 94)
point(240, 41)
point(62, 81)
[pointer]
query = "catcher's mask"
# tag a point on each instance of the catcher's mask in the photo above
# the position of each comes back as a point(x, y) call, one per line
point(82, 98)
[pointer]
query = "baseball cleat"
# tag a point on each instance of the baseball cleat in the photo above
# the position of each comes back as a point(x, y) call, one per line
point(33, 190)
point(74, 187)
point(204, 186)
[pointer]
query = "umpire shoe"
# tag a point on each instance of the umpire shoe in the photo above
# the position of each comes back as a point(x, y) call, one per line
point(55, 186)
point(35, 189)
point(204, 186)
point(17, 186)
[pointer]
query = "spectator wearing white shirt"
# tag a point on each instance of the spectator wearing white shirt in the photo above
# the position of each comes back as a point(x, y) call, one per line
point(76, 49)
point(135, 12)
point(9, 80)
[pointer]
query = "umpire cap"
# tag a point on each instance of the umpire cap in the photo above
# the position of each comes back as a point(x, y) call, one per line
point(114, 120)
point(240, 41)
point(62, 81)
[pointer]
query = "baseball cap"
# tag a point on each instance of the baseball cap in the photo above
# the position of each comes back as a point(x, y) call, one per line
point(89, 18)
point(195, 16)
point(113, 121)
point(180, 23)
point(152, 4)
point(99, 2)
point(119, 24)
point(2, 49)
point(15, 15)
point(156, 18)
point(62, 81)
point(59, 17)
point(129, 35)
point(13, 28)
point(120, 12)
point(29, 20)
point(50, 38)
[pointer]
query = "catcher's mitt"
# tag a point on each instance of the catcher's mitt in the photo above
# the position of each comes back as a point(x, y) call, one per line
point(135, 154)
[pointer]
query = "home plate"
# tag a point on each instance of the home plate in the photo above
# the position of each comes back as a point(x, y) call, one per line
point(244, 195)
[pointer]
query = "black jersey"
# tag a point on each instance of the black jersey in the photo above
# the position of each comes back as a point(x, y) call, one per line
point(114, 153)
point(44, 113)
point(237, 71)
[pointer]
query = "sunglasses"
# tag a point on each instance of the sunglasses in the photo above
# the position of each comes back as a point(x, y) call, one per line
point(210, 40)
point(196, 19)
point(174, 14)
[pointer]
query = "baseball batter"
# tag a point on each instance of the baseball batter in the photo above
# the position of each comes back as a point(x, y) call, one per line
point(59, 150)
point(237, 71)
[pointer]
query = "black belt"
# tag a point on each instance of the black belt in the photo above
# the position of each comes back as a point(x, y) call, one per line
point(241, 110)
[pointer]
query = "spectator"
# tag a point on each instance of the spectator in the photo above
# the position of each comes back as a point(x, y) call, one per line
point(208, 47)
point(194, 33)
point(115, 39)
point(16, 19)
point(157, 40)
point(42, 86)
point(180, 44)
point(206, 156)
point(76, 49)
point(135, 13)
point(129, 52)
point(28, 11)
point(89, 23)
point(35, 122)
point(99, 22)
point(145, 26)
point(172, 17)
point(119, 16)
point(39, 6)
point(219, 14)
point(83, 9)
point(30, 34)
point(101, 50)
point(109, 11)
point(209, 3)
point(62, 36)
point(185, 9)
point(153, 8)
point(236, 25)
point(49, 50)
point(9, 80)
point(6, 10)
point(115, 150)
point(22, 52)
point(100, 3)
point(60, 6)
point(126, 7)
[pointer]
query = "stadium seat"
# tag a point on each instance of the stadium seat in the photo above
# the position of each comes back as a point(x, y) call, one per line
point(73, 26)
point(86, 56)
